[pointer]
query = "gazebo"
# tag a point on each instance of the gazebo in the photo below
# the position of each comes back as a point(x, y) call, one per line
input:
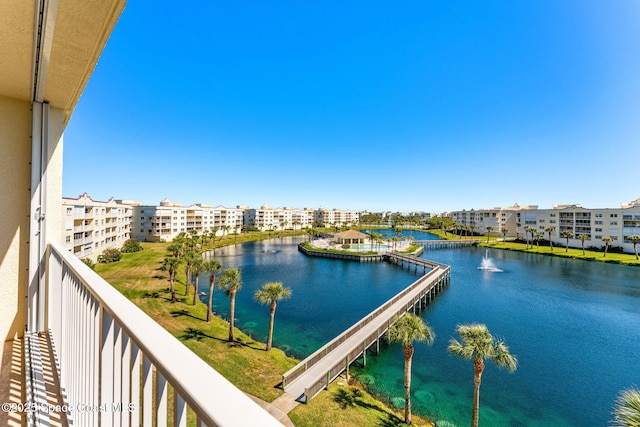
point(350, 237)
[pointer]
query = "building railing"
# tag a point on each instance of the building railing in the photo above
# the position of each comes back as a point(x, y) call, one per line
point(117, 365)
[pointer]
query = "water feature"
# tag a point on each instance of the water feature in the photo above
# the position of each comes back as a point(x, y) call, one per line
point(574, 325)
point(488, 265)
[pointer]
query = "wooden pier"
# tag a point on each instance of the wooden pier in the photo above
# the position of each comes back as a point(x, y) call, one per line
point(316, 372)
point(446, 244)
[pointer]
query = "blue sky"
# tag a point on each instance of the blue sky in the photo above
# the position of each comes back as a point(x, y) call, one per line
point(419, 105)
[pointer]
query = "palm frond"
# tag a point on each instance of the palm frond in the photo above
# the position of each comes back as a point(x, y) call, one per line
point(626, 412)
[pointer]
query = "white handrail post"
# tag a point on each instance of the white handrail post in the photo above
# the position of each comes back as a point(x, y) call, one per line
point(106, 366)
point(147, 394)
point(161, 399)
point(136, 356)
point(179, 410)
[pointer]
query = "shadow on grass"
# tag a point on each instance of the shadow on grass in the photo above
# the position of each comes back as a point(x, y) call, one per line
point(254, 345)
point(196, 334)
point(166, 295)
point(183, 312)
point(352, 397)
point(391, 421)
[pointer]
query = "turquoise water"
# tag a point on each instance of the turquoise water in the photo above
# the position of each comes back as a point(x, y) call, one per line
point(574, 325)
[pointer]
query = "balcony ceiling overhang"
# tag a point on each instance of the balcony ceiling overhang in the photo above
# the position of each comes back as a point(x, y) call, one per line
point(74, 36)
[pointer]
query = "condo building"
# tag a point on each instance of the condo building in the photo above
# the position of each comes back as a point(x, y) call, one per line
point(324, 217)
point(163, 222)
point(268, 218)
point(90, 226)
point(499, 219)
point(570, 220)
point(596, 224)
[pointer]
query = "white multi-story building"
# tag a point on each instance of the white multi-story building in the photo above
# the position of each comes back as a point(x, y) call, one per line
point(335, 218)
point(90, 226)
point(560, 221)
point(228, 220)
point(595, 224)
point(269, 218)
point(169, 219)
point(262, 219)
point(479, 221)
point(301, 218)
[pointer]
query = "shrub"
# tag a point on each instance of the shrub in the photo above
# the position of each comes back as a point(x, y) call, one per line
point(110, 255)
point(131, 245)
point(345, 246)
point(89, 263)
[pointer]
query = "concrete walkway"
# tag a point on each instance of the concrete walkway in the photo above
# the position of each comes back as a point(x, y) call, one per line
point(279, 408)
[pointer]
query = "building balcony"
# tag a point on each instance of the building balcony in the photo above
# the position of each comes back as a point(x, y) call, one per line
point(100, 360)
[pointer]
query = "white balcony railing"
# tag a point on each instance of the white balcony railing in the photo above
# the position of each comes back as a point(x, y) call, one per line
point(116, 363)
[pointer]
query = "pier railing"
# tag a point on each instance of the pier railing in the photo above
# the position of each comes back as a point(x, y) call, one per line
point(342, 364)
point(434, 276)
point(447, 243)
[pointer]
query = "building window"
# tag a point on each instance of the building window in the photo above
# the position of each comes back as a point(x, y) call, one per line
point(598, 215)
point(68, 239)
point(613, 223)
point(614, 215)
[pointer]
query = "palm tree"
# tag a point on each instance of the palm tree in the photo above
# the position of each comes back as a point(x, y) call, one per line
point(539, 237)
point(489, 230)
point(567, 234)
point(212, 267)
point(231, 282)
point(214, 233)
point(607, 241)
point(197, 267)
point(528, 229)
point(372, 237)
point(626, 412)
point(583, 237)
point(176, 248)
point(635, 238)
point(504, 232)
point(271, 293)
point(550, 230)
point(312, 232)
point(406, 330)
point(478, 344)
point(189, 257)
point(171, 264)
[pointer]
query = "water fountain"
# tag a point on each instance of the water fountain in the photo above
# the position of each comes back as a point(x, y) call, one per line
point(487, 264)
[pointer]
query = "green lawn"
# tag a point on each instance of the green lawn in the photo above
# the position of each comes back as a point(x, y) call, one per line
point(560, 251)
point(345, 406)
point(245, 363)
